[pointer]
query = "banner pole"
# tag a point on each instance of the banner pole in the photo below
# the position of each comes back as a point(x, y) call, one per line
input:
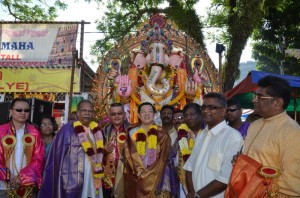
point(74, 62)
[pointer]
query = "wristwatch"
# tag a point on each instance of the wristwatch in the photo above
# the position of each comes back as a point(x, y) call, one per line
point(196, 195)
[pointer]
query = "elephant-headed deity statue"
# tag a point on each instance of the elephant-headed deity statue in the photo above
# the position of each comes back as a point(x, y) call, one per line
point(157, 70)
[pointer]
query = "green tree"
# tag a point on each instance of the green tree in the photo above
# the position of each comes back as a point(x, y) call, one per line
point(23, 10)
point(280, 30)
point(237, 19)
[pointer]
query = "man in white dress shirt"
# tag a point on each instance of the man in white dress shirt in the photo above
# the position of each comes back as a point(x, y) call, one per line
point(209, 166)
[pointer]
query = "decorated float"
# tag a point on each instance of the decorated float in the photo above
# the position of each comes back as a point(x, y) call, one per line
point(158, 64)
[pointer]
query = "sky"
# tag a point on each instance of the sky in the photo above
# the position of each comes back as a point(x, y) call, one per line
point(80, 10)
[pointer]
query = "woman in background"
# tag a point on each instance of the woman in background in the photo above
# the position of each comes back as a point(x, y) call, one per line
point(46, 126)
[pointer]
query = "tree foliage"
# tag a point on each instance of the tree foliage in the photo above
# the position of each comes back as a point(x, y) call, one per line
point(123, 17)
point(280, 30)
point(23, 10)
point(238, 19)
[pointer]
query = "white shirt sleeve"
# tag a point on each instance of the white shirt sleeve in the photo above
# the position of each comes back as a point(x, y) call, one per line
point(230, 150)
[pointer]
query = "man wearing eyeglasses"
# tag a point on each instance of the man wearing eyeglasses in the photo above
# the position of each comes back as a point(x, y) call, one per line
point(233, 117)
point(178, 119)
point(22, 153)
point(209, 166)
point(114, 139)
point(274, 140)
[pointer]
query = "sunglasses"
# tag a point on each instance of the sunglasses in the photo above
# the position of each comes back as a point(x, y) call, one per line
point(178, 118)
point(232, 109)
point(24, 110)
point(118, 113)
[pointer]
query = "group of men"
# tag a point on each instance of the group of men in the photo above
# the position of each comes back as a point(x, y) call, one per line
point(189, 155)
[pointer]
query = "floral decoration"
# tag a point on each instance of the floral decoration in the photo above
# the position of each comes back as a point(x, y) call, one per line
point(121, 137)
point(95, 156)
point(184, 144)
point(146, 142)
point(28, 139)
point(9, 141)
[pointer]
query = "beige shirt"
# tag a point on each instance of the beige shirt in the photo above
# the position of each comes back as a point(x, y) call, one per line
point(275, 142)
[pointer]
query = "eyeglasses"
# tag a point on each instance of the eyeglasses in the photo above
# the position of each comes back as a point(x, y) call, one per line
point(232, 109)
point(178, 118)
point(114, 114)
point(259, 96)
point(46, 124)
point(210, 107)
point(24, 110)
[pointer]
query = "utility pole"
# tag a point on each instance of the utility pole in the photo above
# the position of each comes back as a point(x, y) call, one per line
point(219, 49)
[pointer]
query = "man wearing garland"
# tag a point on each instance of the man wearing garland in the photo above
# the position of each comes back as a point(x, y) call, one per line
point(186, 135)
point(114, 139)
point(177, 119)
point(74, 166)
point(146, 154)
point(209, 166)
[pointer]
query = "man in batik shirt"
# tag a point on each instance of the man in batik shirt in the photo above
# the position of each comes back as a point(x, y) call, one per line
point(114, 139)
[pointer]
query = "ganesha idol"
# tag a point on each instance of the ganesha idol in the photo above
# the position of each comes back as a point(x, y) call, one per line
point(157, 74)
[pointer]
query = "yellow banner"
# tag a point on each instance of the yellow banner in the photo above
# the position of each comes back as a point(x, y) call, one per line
point(47, 97)
point(38, 80)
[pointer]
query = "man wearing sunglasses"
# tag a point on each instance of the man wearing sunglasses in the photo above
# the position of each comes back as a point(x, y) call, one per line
point(22, 153)
point(233, 117)
point(114, 133)
point(209, 166)
point(178, 119)
point(274, 140)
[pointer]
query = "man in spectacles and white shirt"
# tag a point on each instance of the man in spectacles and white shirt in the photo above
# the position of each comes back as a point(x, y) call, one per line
point(209, 166)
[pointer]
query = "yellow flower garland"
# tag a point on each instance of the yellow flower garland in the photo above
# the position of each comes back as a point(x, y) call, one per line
point(151, 140)
point(186, 146)
point(141, 147)
point(191, 143)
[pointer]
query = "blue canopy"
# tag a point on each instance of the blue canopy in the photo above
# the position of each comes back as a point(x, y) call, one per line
point(243, 90)
point(294, 81)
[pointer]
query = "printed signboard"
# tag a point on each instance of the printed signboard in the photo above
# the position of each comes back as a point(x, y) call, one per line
point(38, 80)
point(37, 45)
